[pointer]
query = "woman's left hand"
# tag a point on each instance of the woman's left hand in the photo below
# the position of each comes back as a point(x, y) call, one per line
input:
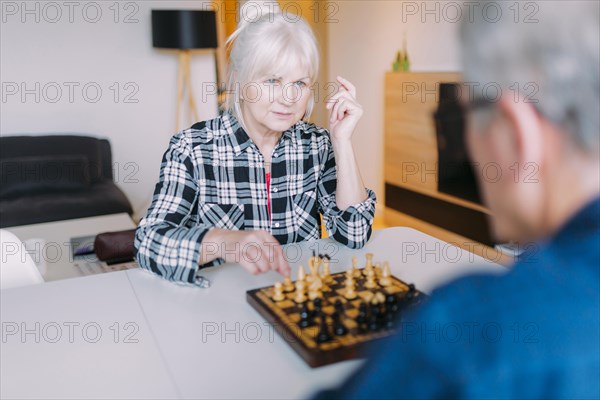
point(345, 111)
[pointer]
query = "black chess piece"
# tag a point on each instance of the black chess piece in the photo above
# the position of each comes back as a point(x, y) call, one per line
point(412, 292)
point(306, 318)
point(390, 320)
point(324, 334)
point(362, 313)
point(339, 307)
point(382, 312)
point(362, 318)
point(403, 301)
point(411, 295)
point(375, 318)
point(391, 303)
point(339, 329)
point(373, 323)
point(317, 305)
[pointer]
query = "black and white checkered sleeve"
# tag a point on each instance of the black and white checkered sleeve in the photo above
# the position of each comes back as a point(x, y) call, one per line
point(167, 240)
point(353, 226)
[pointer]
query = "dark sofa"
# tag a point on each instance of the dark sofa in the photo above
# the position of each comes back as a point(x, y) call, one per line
point(58, 177)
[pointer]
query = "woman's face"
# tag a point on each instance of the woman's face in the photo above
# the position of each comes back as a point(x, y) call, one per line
point(274, 103)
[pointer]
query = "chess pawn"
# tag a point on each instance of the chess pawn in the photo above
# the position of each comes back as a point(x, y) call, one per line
point(350, 290)
point(314, 294)
point(355, 271)
point(368, 296)
point(389, 321)
point(339, 329)
point(288, 286)
point(305, 317)
point(391, 303)
point(315, 286)
point(309, 276)
point(278, 296)
point(378, 270)
point(374, 319)
point(313, 265)
point(350, 293)
point(300, 296)
point(370, 283)
point(323, 280)
point(349, 275)
point(386, 279)
point(326, 275)
point(362, 313)
point(324, 335)
point(369, 265)
point(339, 307)
point(369, 257)
point(301, 274)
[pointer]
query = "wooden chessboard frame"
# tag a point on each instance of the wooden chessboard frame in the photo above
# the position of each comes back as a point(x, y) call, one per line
point(302, 340)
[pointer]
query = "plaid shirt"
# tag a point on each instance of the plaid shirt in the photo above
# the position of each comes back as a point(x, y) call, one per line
point(213, 175)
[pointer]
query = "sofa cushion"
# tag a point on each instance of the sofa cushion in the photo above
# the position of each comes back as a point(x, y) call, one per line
point(100, 199)
point(31, 175)
point(97, 151)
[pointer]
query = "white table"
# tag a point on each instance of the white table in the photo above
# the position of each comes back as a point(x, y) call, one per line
point(57, 251)
point(85, 362)
point(198, 343)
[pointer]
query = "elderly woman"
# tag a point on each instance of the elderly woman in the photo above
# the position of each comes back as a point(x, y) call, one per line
point(236, 187)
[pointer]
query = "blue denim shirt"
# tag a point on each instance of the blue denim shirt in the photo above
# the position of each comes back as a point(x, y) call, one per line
point(532, 333)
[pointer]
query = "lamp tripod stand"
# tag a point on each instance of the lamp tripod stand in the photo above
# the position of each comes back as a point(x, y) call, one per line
point(184, 87)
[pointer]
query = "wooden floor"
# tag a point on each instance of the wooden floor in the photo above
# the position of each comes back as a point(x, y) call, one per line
point(378, 223)
point(395, 218)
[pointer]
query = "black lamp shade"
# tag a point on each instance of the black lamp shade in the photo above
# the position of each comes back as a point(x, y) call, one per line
point(184, 29)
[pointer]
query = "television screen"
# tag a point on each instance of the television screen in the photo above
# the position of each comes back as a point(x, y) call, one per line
point(455, 171)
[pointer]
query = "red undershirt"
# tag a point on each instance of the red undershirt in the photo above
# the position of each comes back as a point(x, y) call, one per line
point(268, 178)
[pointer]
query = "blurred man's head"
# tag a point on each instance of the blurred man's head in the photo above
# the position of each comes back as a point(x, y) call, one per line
point(543, 131)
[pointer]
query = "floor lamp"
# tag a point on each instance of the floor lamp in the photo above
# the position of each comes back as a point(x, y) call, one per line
point(183, 30)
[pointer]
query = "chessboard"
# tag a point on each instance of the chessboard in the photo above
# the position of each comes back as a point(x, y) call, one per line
point(327, 318)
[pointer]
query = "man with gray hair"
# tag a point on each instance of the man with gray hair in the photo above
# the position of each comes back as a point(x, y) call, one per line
point(534, 332)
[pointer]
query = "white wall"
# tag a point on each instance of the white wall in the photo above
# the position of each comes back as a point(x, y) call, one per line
point(101, 53)
point(362, 46)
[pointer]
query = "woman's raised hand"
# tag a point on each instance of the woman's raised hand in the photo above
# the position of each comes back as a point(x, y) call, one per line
point(345, 111)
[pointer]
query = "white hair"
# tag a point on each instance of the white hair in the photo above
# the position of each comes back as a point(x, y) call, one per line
point(558, 56)
point(265, 42)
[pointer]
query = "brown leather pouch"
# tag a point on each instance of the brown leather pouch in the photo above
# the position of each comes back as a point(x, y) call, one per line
point(115, 247)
